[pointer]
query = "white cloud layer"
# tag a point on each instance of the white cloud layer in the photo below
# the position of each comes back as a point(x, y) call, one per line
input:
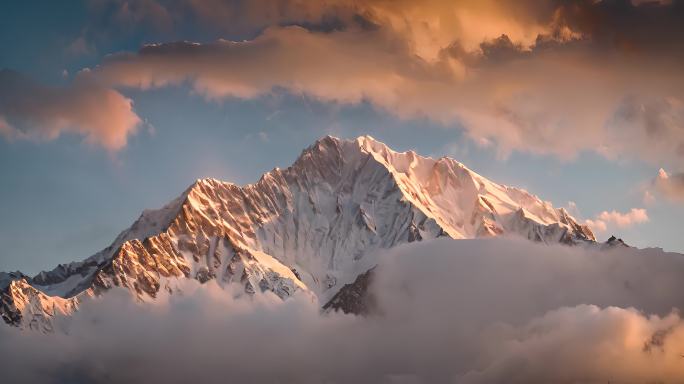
point(467, 311)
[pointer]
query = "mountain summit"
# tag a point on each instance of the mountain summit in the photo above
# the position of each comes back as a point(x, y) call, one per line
point(311, 227)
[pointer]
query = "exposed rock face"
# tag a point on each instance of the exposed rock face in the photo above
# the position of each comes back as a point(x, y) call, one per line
point(22, 304)
point(615, 242)
point(355, 297)
point(310, 227)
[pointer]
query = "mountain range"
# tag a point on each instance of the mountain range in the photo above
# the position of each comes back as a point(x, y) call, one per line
point(314, 227)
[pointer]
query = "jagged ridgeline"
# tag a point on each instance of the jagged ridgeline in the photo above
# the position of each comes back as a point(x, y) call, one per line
point(312, 227)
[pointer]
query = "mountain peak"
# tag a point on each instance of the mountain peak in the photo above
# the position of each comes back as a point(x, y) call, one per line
point(312, 227)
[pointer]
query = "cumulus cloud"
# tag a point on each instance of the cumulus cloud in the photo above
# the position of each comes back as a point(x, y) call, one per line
point(538, 103)
point(29, 110)
point(428, 26)
point(551, 80)
point(670, 186)
point(606, 219)
point(291, 57)
point(545, 77)
point(479, 311)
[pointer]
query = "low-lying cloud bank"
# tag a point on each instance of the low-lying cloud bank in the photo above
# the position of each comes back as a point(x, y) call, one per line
point(464, 311)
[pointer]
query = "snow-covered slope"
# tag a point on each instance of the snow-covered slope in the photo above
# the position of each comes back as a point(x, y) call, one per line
point(310, 227)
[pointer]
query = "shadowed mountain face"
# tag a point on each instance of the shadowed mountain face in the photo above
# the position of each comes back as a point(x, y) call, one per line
point(311, 227)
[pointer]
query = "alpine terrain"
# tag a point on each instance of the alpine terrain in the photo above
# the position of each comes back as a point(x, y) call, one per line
point(312, 227)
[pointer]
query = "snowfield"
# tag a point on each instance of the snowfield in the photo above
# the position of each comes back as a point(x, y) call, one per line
point(311, 227)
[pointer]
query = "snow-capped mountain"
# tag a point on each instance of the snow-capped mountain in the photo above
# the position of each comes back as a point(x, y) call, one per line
point(311, 227)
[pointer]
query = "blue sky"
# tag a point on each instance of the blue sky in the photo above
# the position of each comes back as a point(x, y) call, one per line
point(63, 197)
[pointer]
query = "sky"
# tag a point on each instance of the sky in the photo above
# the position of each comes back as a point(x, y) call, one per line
point(109, 107)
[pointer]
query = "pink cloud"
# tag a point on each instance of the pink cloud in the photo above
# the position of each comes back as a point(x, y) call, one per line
point(557, 102)
point(606, 219)
point(670, 186)
point(31, 111)
point(531, 75)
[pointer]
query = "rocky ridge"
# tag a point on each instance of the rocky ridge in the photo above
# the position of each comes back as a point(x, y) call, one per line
point(312, 227)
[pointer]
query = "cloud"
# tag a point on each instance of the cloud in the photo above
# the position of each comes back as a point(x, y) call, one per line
point(651, 2)
point(547, 82)
point(423, 26)
point(648, 197)
point(428, 27)
point(479, 311)
point(670, 186)
point(80, 47)
point(607, 219)
point(29, 110)
point(292, 58)
point(544, 77)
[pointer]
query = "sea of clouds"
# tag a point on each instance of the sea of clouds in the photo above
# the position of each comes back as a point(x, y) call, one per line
point(464, 311)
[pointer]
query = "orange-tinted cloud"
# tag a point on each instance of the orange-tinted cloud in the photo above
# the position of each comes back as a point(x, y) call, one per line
point(670, 185)
point(606, 219)
point(558, 101)
point(32, 111)
point(545, 77)
point(427, 25)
